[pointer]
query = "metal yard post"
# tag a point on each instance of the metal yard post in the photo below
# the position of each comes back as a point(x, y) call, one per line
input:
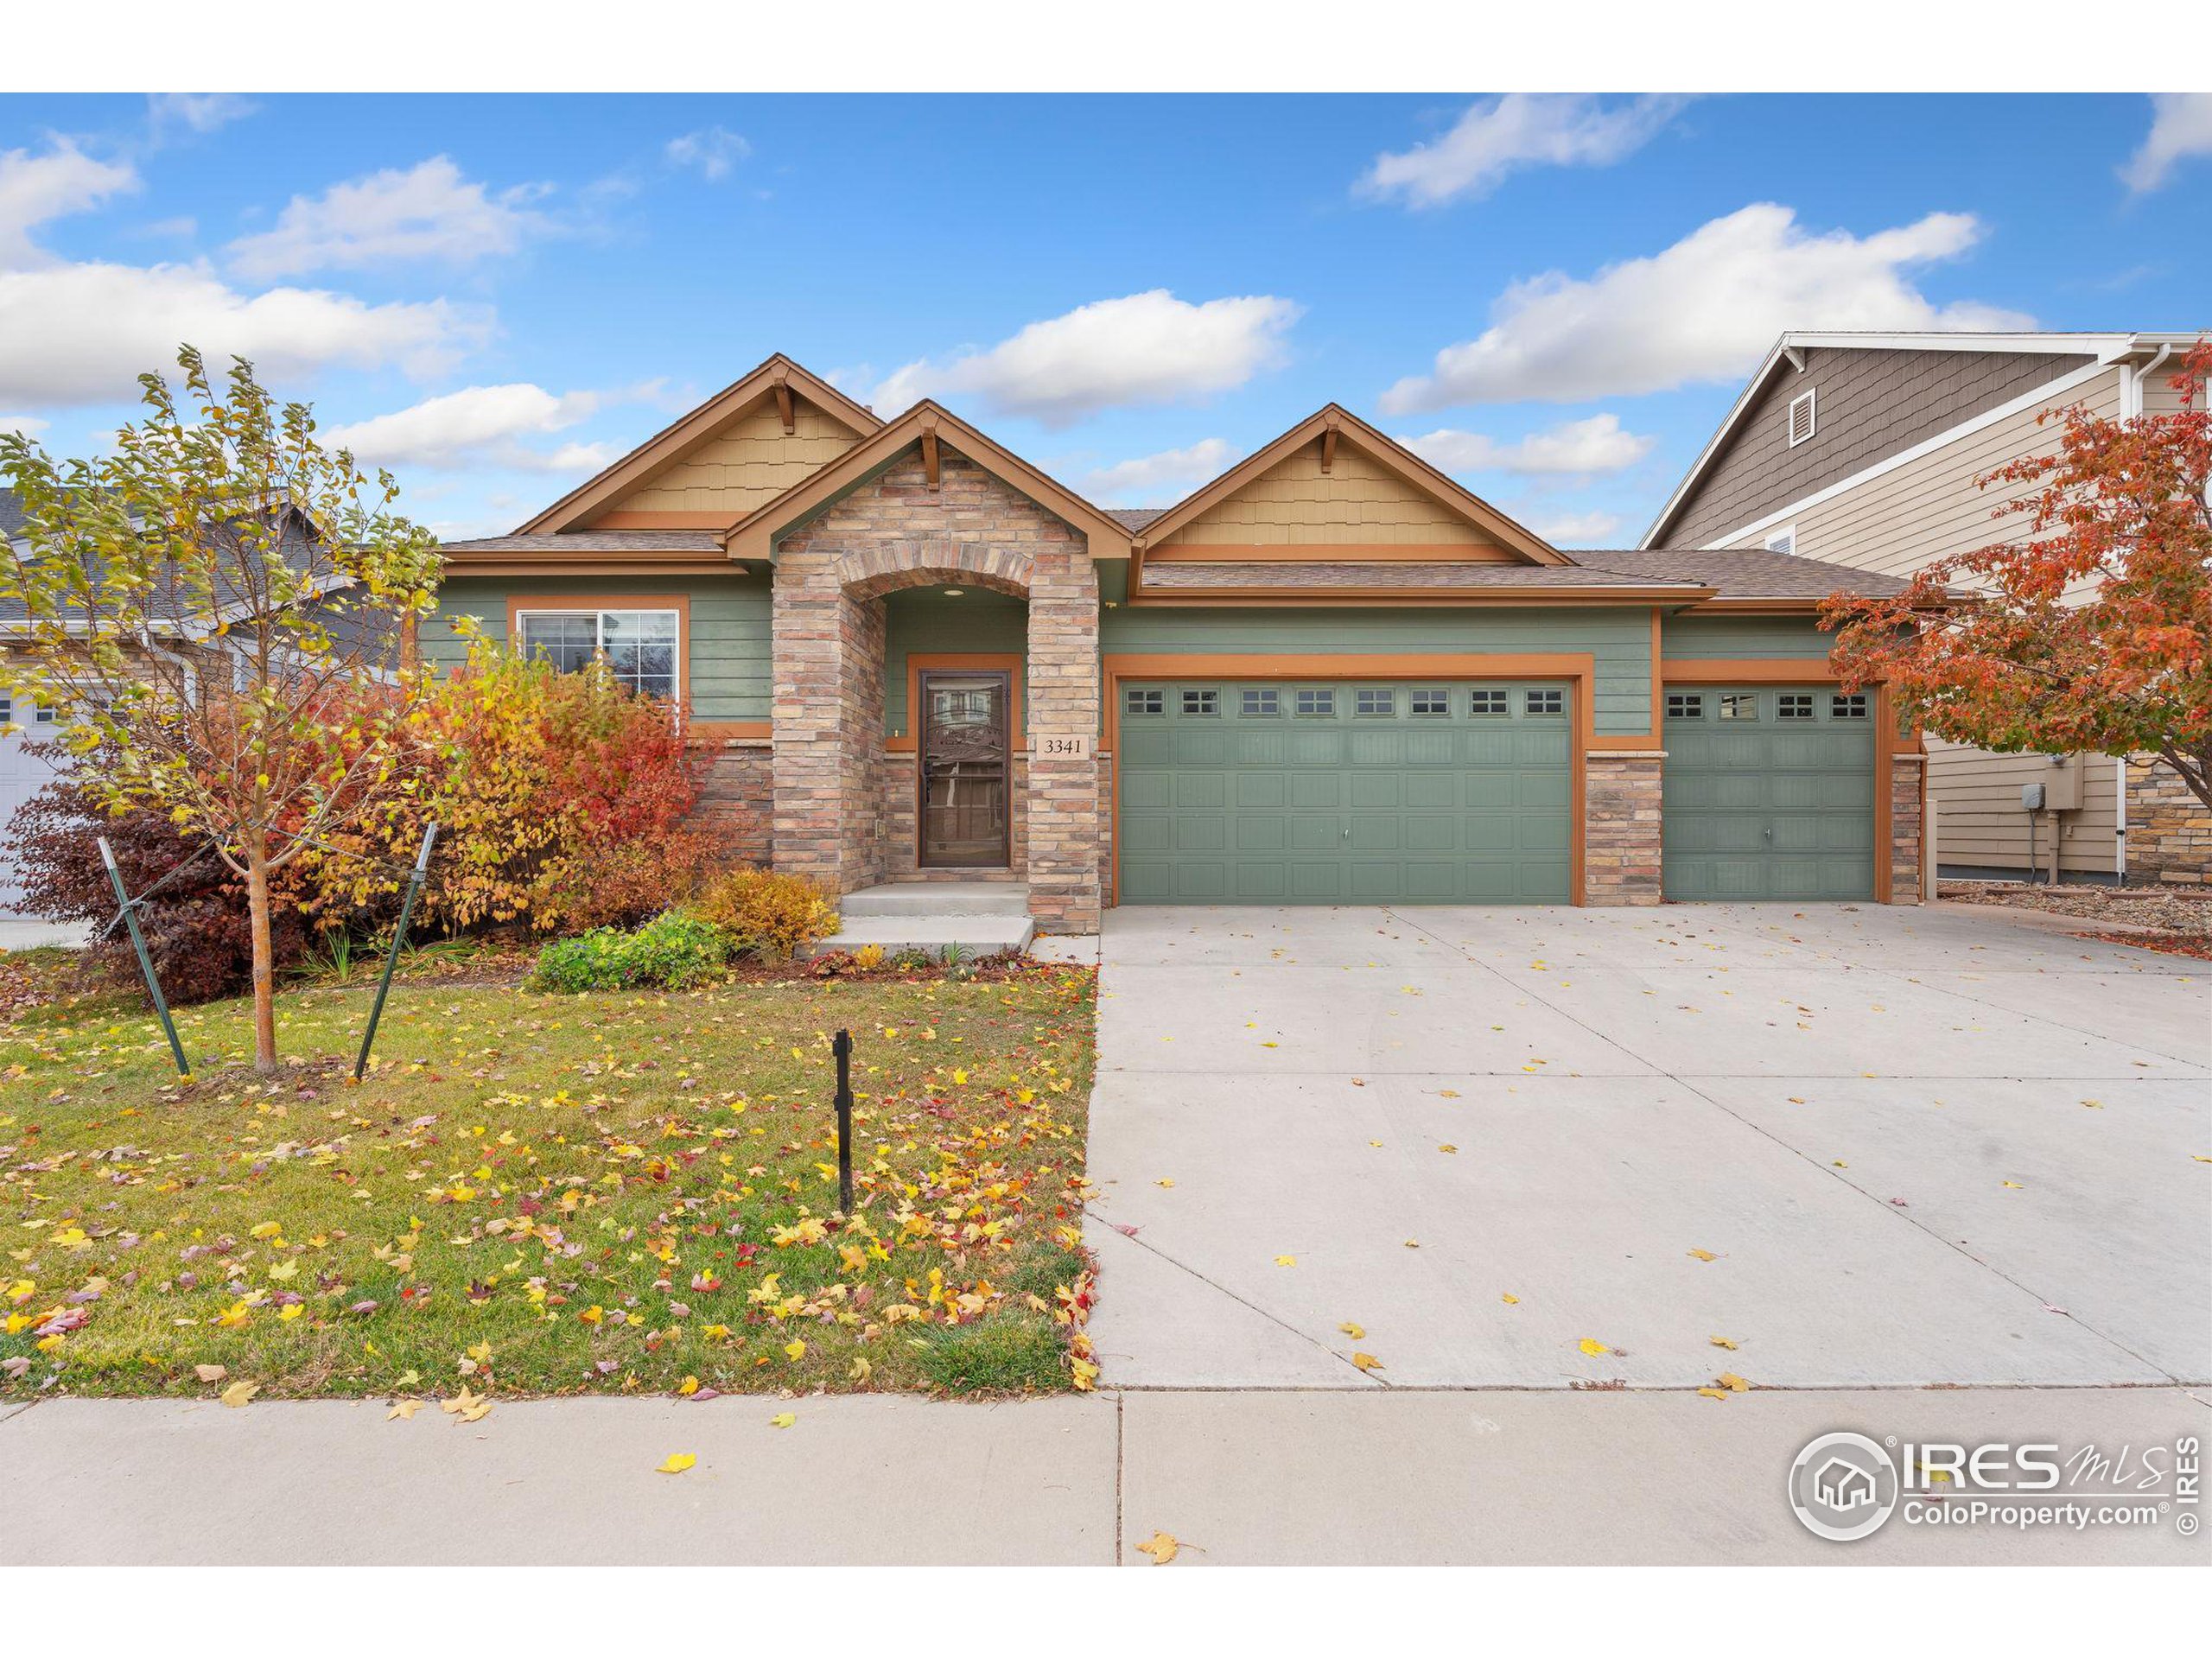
point(398, 937)
point(841, 1047)
point(145, 962)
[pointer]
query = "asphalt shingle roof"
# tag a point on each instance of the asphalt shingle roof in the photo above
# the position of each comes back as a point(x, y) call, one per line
point(596, 541)
point(1742, 572)
point(1196, 577)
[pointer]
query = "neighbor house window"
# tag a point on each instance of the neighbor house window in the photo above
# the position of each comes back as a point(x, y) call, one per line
point(1366, 702)
point(1267, 702)
point(1154, 701)
point(1432, 700)
point(1545, 702)
point(1487, 703)
point(1739, 705)
point(1685, 705)
point(1852, 706)
point(1202, 702)
point(39, 716)
point(1317, 703)
point(639, 647)
point(1793, 705)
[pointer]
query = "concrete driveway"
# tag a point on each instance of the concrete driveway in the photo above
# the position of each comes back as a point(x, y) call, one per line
point(1920, 1147)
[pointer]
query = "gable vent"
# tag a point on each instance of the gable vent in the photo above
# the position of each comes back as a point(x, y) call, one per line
point(1783, 541)
point(1801, 418)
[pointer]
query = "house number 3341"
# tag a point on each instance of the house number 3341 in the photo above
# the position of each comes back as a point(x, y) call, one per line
point(1063, 748)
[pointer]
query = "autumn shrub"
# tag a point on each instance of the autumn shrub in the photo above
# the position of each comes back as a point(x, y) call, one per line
point(672, 952)
point(561, 801)
point(195, 920)
point(768, 914)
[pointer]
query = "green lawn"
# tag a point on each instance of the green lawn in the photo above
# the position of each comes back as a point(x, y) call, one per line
point(539, 1195)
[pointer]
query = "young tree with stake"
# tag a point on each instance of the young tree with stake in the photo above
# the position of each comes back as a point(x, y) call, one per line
point(222, 610)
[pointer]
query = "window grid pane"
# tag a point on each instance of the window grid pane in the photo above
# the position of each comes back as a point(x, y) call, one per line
point(1685, 705)
point(1317, 703)
point(1258, 702)
point(1544, 702)
point(1739, 705)
point(1201, 702)
point(1487, 703)
point(1852, 706)
point(1793, 705)
point(1432, 699)
point(1368, 701)
point(1152, 702)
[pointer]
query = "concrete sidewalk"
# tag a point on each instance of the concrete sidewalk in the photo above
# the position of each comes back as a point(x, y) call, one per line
point(1291, 1477)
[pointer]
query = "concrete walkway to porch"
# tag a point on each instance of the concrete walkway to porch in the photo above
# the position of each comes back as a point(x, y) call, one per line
point(977, 918)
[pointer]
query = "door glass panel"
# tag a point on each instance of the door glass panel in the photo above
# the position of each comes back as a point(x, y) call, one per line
point(965, 808)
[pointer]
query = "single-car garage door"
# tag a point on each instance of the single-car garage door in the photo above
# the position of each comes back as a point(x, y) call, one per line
point(1350, 793)
point(1769, 793)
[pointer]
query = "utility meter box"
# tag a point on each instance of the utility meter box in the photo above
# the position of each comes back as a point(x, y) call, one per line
point(2061, 784)
point(2031, 798)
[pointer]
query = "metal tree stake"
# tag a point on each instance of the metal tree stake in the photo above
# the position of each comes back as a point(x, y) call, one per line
point(841, 1047)
point(145, 962)
point(398, 937)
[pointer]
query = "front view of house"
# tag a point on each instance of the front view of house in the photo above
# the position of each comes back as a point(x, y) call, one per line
point(1331, 675)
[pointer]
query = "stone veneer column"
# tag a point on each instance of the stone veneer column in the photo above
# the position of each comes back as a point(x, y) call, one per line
point(807, 628)
point(2169, 831)
point(1906, 775)
point(1620, 827)
point(1065, 844)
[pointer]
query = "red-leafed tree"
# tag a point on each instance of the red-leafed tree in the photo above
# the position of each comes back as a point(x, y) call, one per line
point(2091, 630)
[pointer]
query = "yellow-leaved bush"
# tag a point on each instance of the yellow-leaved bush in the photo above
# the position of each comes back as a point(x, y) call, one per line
point(767, 914)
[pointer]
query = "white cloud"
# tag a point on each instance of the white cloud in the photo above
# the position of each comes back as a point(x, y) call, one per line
point(476, 426)
point(81, 334)
point(2181, 126)
point(36, 188)
point(30, 425)
point(1577, 529)
point(1597, 444)
point(1171, 473)
point(1704, 309)
point(198, 111)
point(1502, 135)
point(715, 151)
point(428, 212)
point(1142, 349)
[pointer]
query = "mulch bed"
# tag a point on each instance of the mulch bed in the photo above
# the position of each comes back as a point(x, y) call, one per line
point(2176, 920)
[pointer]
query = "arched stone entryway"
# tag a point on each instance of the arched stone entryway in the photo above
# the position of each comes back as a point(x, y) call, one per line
point(831, 579)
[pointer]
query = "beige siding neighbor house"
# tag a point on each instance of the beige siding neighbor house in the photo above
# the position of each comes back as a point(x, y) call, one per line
point(1862, 450)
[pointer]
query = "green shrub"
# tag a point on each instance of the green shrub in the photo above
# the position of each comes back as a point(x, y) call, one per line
point(671, 952)
point(767, 914)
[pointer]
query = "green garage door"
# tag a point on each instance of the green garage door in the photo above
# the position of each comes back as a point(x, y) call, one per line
point(1344, 793)
point(1769, 793)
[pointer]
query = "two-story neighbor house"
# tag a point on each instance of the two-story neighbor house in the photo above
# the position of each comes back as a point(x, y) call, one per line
point(1862, 449)
point(1332, 675)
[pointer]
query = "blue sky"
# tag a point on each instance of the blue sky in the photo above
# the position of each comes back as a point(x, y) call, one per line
point(1558, 297)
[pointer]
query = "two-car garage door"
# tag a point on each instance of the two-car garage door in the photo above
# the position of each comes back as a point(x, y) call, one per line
point(1345, 792)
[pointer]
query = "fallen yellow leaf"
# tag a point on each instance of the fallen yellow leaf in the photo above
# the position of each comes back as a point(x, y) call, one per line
point(860, 1370)
point(1714, 1394)
point(1162, 1547)
point(1355, 1331)
point(1509, 1299)
point(1733, 1382)
point(1367, 1362)
point(1705, 1255)
point(402, 1409)
point(676, 1464)
point(1721, 1342)
point(782, 1419)
point(1285, 1261)
point(210, 1373)
point(1593, 1347)
point(237, 1393)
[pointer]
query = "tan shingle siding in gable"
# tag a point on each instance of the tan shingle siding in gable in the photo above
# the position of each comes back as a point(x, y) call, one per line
point(749, 461)
point(1294, 503)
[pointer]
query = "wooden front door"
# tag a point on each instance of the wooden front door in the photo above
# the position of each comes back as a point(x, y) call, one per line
point(965, 773)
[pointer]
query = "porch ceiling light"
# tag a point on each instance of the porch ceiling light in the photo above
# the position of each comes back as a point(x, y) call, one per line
point(954, 593)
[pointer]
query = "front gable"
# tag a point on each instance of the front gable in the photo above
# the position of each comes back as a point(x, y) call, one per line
point(1334, 487)
point(745, 446)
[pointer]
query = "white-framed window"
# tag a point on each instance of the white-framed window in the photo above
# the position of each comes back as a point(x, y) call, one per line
point(1685, 705)
point(1314, 701)
point(1487, 703)
point(1544, 702)
point(1432, 699)
point(1739, 705)
point(1848, 706)
point(1793, 705)
point(1374, 699)
point(1202, 702)
point(639, 647)
point(1144, 700)
point(1801, 417)
point(1259, 702)
point(37, 714)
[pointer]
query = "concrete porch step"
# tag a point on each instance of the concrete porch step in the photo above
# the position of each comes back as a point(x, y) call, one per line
point(937, 898)
point(975, 935)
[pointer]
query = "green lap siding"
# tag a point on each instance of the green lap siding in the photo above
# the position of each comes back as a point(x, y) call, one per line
point(1705, 637)
point(1765, 806)
point(1343, 808)
point(727, 673)
point(926, 621)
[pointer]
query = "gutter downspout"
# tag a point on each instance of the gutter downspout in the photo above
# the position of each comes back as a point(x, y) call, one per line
point(2131, 408)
